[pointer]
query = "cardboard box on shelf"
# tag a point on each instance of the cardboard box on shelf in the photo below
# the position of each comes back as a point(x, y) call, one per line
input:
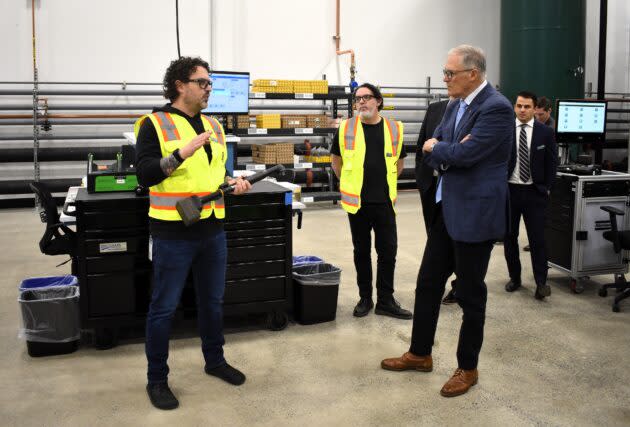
point(293, 121)
point(316, 121)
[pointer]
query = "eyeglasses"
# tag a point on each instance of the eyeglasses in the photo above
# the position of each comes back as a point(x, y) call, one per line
point(450, 73)
point(203, 83)
point(365, 98)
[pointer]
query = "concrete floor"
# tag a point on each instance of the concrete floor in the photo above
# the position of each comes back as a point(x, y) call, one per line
point(563, 361)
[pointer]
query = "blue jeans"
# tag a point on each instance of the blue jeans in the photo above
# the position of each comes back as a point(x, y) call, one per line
point(172, 260)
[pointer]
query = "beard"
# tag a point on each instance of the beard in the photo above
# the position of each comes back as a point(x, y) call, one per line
point(369, 115)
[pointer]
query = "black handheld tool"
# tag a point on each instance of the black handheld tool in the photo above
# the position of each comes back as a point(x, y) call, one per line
point(190, 208)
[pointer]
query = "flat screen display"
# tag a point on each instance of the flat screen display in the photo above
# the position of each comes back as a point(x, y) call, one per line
point(230, 93)
point(581, 121)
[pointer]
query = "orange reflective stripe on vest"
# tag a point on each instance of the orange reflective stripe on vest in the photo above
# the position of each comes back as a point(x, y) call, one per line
point(169, 130)
point(351, 133)
point(216, 128)
point(394, 132)
point(349, 199)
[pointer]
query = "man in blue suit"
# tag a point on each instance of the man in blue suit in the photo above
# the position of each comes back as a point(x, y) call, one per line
point(471, 149)
point(531, 173)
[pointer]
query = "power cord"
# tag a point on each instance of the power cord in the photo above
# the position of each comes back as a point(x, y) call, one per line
point(179, 55)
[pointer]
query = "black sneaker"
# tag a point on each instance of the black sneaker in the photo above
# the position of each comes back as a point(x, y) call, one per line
point(392, 308)
point(512, 285)
point(161, 396)
point(227, 373)
point(450, 298)
point(363, 307)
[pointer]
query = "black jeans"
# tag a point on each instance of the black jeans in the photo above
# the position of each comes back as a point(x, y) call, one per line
point(469, 261)
point(527, 201)
point(381, 219)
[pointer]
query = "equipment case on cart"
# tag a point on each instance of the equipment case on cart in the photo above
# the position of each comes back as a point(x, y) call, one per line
point(575, 224)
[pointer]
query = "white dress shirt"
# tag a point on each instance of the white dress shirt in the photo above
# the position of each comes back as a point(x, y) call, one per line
point(529, 129)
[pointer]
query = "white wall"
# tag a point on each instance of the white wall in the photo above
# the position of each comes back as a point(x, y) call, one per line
point(398, 42)
point(617, 45)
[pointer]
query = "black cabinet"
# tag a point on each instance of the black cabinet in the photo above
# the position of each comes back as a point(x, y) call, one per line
point(114, 270)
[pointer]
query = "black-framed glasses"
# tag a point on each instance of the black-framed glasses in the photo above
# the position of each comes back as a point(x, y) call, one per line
point(203, 83)
point(366, 98)
point(450, 73)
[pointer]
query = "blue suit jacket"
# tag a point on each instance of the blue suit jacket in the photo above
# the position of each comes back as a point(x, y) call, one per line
point(543, 156)
point(475, 173)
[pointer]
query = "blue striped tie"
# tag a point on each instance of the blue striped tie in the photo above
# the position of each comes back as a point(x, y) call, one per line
point(523, 156)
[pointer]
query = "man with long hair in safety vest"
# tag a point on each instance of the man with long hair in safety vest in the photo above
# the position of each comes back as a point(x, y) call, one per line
point(367, 157)
point(180, 153)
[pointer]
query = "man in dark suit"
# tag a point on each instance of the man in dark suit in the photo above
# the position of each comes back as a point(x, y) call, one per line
point(531, 173)
point(426, 176)
point(471, 149)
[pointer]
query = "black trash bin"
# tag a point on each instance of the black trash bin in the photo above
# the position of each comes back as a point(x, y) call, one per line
point(51, 320)
point(316, 287)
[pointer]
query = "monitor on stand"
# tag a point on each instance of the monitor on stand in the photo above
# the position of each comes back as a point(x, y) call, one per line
point(580, 121)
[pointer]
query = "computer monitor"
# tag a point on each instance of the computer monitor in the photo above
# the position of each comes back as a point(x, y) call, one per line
point(581, 121)
point(230, 93)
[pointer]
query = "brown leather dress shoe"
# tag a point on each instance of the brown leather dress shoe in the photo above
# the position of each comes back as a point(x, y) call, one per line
point(460, 382)
point(408, 361)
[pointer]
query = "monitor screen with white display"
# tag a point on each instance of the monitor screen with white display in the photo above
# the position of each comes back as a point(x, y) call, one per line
point(581, 121)
point(230, 93)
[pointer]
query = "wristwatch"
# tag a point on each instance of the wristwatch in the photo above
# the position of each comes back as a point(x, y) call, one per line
point(433, 145)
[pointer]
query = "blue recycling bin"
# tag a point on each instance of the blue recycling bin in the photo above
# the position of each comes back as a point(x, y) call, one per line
point(45, 282)
point(300, 260)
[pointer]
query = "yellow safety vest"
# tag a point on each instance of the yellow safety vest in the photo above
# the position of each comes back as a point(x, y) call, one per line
point(352, 148)
point(195, 176)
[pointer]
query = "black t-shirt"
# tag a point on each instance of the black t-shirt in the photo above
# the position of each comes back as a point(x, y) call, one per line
point(375, 189)
point(148, 155)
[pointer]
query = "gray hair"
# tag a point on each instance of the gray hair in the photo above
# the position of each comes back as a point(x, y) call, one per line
point(472, 57)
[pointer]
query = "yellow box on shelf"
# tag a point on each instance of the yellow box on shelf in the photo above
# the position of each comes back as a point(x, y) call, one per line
point(268, 121)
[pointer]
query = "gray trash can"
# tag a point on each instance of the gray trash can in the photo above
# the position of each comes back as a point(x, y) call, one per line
point(316, 287)
point(50, 320)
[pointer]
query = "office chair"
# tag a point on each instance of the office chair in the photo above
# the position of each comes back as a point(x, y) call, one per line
point(58, 239)
point(621, 241)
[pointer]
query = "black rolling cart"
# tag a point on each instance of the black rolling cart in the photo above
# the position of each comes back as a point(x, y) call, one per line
point(114, 271)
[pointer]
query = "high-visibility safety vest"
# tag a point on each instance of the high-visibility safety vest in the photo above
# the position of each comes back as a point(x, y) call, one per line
point(195, 176)
point(352, 148)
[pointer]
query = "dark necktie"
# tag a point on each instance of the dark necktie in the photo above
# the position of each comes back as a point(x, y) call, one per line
point(523, 155)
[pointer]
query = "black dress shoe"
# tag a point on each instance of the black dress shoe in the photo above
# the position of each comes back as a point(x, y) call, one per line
point(363, 307)
point(542, 291)
point(161, 396)
point(392, 308)
point(227, 373)
point(450, 298)
point(511, 286)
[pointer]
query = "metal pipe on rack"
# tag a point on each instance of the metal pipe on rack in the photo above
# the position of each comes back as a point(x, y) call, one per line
point(61, 137)
point(65, 154)
point(57, 92)
point(84, 83)
point(79, 107)
point(64, 122)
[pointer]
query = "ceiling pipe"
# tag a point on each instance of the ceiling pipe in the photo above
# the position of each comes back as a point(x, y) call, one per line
point(337, 38)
